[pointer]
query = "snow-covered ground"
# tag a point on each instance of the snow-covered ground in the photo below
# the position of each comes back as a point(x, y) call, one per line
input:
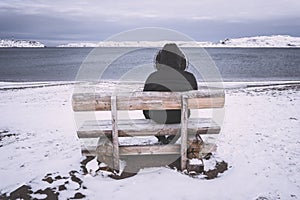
point(20, 43)
point(259, 139)
point(258, 41)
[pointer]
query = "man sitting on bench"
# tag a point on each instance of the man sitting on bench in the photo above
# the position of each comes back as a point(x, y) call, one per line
point(170, 63)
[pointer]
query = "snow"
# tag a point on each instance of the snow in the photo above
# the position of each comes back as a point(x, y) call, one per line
point(195, 161)
point(80, 44)
point(20, 43)
point(283, 41)
point(258, 41)
point(263, 41)
point(259, 139)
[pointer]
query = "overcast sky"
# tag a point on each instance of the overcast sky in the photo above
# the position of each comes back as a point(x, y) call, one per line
point(61, 21)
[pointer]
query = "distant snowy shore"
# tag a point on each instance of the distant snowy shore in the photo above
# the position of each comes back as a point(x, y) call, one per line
point(263, 41)
point(280, 41)
point(20, 43)
point(258, 41)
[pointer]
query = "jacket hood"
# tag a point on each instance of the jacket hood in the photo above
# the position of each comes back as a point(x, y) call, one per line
point(170, 56)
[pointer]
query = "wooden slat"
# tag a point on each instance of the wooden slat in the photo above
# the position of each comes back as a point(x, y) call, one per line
point(148, 100)
point(184, 130)
point(145, 127)
point(149, 150)
point(115, 138)
point(137, 150)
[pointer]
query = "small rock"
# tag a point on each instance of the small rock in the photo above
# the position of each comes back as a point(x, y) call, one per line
point(211, 174)
point(49, 192)
point(58, 177)
point(62, 187)
point(78, 195)
point(22, 192)
point(219, 168)
point(222, 166)
point(48, 179)
point(73, 172)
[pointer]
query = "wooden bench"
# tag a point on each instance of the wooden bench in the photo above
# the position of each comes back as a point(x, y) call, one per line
point(111, 151)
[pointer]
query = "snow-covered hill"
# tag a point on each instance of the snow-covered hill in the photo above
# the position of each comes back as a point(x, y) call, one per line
point(20, 43)
point(79, 44)
point(258, 41)
point(136, 44)
point(263, 41)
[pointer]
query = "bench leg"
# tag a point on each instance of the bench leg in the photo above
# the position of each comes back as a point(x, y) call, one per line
point(115, 138)
point(184, 116)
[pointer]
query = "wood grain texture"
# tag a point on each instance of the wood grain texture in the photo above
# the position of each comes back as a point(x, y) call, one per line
point(184, 131)
point(132, 150)
point(148, 100)
point(145, 127)
point(115, 137)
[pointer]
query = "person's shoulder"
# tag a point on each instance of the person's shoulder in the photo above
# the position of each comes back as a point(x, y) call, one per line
point(186, 72)
point(189, 74)
point(153, 74)
point(192, 79)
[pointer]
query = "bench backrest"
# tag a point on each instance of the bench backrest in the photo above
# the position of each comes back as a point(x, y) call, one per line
point(148, 100)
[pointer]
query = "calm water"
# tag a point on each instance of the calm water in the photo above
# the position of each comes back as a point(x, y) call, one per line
point(62, 64)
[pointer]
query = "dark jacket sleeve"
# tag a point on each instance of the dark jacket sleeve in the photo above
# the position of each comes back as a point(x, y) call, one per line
point(148, 87)
point(192, 80)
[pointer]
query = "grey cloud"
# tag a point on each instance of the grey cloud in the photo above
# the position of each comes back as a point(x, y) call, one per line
point(67, 21)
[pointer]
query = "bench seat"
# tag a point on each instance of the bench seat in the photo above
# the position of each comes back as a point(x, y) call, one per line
point(145, 127)
point(133, 150)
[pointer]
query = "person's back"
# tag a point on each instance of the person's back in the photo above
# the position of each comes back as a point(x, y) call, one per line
point(169, 77)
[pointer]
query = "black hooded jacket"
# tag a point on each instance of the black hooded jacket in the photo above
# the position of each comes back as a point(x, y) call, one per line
point(169, 77)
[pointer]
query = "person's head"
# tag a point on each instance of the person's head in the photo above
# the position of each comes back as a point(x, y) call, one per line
point(170, 56)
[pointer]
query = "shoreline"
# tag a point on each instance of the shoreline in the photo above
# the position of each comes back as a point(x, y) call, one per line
point(8, 85)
